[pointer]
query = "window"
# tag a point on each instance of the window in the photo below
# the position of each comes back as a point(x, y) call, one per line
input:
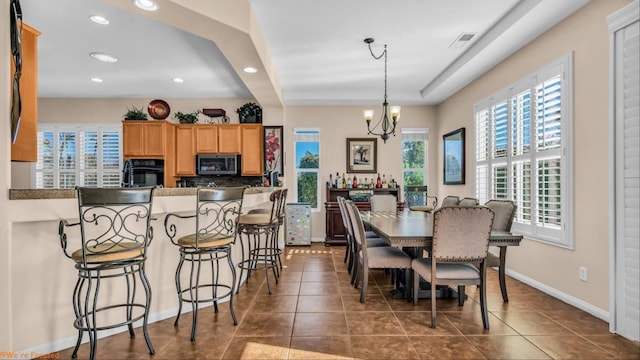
point(78, 155)
point(414, 159)
point(307, 166)
point(523, 151)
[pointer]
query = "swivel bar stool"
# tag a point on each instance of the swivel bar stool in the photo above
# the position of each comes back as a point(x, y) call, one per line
point(115, 232)
point(260, 229)
point(216, 226)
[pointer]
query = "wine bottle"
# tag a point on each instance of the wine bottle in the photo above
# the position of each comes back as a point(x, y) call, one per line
point(385, 185)
point(344, 181)
point(355, 182)
point(378, 182)
point(338, 182)
point(330, 180)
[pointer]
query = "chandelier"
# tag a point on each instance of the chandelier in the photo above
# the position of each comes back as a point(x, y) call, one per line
point(387, 127)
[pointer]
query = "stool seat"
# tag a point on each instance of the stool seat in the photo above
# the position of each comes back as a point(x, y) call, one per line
point(189, 241)
point(255, 219)
point(106, 252)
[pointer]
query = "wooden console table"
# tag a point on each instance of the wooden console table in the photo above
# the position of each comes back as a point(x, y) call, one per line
point(335, 231)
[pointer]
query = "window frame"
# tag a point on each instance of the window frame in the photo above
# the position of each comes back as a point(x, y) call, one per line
point(563, 235)
point(77, 129)
point(297, 170)
point(408, 133)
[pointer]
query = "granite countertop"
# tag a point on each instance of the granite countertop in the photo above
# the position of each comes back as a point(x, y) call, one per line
point(39, 194)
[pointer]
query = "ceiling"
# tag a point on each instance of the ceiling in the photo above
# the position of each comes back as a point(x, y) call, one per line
point(315, 49)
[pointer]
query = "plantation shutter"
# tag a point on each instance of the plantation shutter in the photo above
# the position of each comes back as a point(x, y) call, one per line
point(626, 62)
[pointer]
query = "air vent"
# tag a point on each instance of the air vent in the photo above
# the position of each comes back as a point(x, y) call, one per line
point(462, 40)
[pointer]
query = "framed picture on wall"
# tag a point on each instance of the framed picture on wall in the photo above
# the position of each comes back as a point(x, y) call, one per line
point(273, 154)
point(453, 157)
point(362, 155)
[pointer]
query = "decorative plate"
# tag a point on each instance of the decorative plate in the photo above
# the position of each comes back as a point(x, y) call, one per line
point(159, 109)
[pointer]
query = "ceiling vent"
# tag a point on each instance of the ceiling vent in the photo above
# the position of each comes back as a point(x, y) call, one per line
point(462, 40)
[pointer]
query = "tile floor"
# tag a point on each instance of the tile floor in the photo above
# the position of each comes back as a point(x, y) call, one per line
point(314, 313)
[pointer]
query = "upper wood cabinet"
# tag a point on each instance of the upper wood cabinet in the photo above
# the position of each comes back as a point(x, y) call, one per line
point(206, 139)
point(143, 139)
point(252, 150)
point(26, 146)
point(229, 139)
point(185, 163)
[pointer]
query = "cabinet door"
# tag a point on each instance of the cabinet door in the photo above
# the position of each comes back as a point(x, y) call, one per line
point(132, 139)
point(206, 139)
point(185, 151)
point(154, 143)
point(252, 150)
point(229, 139)
point(26, 146)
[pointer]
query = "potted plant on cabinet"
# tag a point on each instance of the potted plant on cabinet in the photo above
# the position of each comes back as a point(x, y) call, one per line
point(250, 113)
point(135, 113)
point(186, 118)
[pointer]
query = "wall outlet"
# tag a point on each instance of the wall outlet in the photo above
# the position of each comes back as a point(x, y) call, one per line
point(582, 273)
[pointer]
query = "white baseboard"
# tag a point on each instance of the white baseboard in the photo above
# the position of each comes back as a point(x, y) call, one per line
point(584, 306)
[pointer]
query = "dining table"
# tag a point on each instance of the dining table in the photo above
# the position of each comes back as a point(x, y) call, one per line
point(413, 232)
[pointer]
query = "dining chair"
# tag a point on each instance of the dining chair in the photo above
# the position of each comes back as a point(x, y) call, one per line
point(418, 200)
point(350, 251)
point(450, 201)
point(217, 211)
point(384, 202)
point(504, 211)
point(469, 201)
point(460, 240)
point(382, 257)
point(115, 233)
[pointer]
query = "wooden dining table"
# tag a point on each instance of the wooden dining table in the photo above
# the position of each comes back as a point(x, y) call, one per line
point(414, 230)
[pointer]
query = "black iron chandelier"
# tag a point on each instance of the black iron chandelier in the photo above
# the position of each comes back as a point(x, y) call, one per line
point(388, 127)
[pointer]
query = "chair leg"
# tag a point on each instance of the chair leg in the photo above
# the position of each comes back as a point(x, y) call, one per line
point(77, 306)
point(215, 275)
point(502, 275)
point(483, 295)
point(433, 302)
point(461, 295)
point(233, 281)
point(194, 300)
point(416, 287)
point(178, 288)
point(147, 290)
point(93, 340)
point(131, 295)
point(365, 283)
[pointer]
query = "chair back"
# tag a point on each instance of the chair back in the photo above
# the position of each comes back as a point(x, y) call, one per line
point(417, 199)
point(504, 211)
point(357, 226)
point(469, 201)
point(114, 220)
point(344, 214)
point(461, 234)
point(384, 202)
point(217, 213)
point(450, 201)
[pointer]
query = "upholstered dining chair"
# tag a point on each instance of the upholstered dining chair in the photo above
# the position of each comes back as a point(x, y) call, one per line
point(460, 240)
point(384, 202)
point(504, 211)
point(382, 257)
point(348, 255)
point(469, 201)
point(115, 233)
point(450, 201)
point(217, 211)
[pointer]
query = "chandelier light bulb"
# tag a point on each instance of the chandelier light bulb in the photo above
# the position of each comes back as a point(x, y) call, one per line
point(368, 115)
point(395, 113)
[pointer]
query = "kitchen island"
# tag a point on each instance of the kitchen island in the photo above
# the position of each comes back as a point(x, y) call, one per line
point(42, 278)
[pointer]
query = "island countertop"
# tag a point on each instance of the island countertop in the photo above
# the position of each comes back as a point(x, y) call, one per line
point(41, 194)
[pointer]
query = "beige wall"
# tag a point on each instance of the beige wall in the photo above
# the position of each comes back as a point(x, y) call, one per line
point(336, 124)
point(585, 34)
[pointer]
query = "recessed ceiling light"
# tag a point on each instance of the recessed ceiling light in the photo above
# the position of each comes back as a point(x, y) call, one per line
point(103, 57)
point(99, 19)
point(178, 80)
point(147, 5)
point(95, 79)
point(250, 70)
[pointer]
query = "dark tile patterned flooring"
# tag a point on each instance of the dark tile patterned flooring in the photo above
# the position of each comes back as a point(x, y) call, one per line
point(314, 313)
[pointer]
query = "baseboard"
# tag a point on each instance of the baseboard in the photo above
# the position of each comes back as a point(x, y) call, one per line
point(573, 301)
point(69, 342)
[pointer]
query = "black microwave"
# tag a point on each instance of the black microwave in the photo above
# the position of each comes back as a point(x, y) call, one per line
point(217, 164)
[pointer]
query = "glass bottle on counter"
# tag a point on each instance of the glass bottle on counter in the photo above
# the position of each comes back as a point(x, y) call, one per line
point(385, 185)
point(378, 182)
point(338, 181)
point(344, 181)
point(355, 182)
point(330, 180)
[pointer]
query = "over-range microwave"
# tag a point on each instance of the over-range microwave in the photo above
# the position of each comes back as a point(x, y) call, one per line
point(217, 164)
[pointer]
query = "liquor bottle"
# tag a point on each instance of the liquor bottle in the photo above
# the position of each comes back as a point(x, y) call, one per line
point(338, 181)
point(344, 181)
point(330, 180)
point(355, 182)
point(385, 185)
point(378, 182)
point(365, 184)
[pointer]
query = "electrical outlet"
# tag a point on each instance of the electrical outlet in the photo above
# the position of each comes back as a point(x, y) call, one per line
point(583, 273)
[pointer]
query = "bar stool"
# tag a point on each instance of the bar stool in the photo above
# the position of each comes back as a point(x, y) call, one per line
point(115, 232)
point(261, 228)
point(216, 225)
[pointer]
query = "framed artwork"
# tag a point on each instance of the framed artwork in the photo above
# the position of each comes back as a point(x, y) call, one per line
point(362, 155)
point(273, 154)
point(453, 157)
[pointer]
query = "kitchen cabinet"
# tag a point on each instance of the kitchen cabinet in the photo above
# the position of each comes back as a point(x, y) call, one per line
point(26, 146)
point(143, 139)
point(185, 154)
point(229, 139)
point(252, 150)
point(206, 139)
